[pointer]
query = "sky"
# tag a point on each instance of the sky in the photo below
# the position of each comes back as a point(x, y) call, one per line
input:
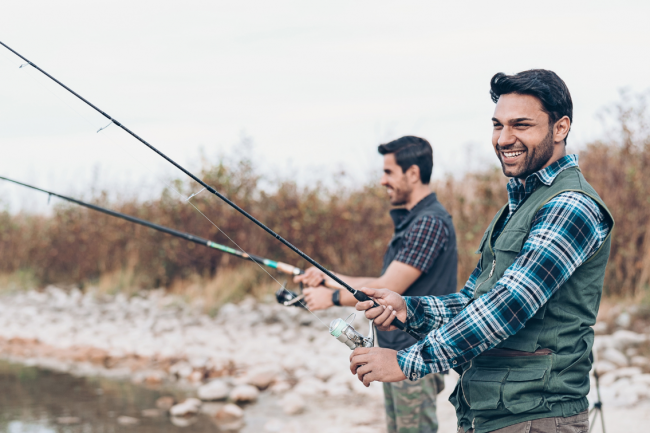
point(315, 86)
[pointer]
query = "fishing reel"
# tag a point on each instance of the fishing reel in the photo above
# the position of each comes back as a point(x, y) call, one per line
point(289, 299)
point(343, 331)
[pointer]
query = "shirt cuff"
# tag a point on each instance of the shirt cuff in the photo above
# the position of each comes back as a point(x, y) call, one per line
point(415, 314)
point(412, 364)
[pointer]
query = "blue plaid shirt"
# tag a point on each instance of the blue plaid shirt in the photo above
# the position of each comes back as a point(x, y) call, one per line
point(566, 232)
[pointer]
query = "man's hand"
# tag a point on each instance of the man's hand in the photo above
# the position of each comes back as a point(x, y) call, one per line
point(372, 364)
point(391, 305)
point(313, 277)
point(318, 298)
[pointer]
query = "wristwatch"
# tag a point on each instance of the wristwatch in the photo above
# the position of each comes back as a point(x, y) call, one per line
point(336, 298)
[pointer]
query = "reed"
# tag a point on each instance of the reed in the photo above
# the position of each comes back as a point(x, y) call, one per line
point(346, 229)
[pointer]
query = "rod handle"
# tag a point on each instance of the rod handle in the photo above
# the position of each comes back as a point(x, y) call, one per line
point(362, 297)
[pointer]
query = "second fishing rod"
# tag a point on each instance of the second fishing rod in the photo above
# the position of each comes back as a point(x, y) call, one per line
point(284, 296)
point(360, 296)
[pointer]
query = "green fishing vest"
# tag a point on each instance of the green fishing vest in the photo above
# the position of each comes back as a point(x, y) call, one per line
point(497, 391)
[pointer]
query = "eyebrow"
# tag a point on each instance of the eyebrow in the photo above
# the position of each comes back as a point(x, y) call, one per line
point(511, 121)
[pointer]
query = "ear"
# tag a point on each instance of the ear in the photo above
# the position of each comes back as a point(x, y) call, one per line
point(413, 174)
point(561, 129)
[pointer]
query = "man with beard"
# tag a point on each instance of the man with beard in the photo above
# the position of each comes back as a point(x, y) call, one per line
point(421, 260)
point(519, 332)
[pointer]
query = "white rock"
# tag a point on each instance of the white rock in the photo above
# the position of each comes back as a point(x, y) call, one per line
point(229, 413)
point(127, 420)
point(292, 403)
point(262, 377)
point(181, 369)
point(182, 422)
point(624, 339)
point(614, 356)
point(600, 328)
point(215, 390)
point(613, 376)
point(244, 393)
point(603, 367)
point(624, 320)
point(640, 361)
point(280, 387)
point(190, 406)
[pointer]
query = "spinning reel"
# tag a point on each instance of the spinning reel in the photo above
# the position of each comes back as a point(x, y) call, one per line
point(346, 334)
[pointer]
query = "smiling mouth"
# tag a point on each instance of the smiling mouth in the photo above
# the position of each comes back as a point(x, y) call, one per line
point(512, 154)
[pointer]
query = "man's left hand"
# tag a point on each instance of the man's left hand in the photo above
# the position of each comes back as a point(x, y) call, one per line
point(318, 298)
point(372, 364)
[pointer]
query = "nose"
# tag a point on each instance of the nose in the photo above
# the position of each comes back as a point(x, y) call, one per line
point(384, 180)
point(506, 137)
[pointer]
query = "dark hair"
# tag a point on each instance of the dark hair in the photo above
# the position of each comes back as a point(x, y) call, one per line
point(545, 85)
point(410, 151)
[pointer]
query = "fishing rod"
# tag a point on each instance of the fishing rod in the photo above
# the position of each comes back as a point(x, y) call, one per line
point(284, 296)
point(360, 296)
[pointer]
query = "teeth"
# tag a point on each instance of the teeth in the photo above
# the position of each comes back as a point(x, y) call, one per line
point(512, 154)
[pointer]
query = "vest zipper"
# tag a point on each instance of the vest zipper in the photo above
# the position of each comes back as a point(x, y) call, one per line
point(462, 389)
point(494, 262)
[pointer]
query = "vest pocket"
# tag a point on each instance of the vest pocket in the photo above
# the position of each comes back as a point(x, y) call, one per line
point(484, 388)
point(522, 391)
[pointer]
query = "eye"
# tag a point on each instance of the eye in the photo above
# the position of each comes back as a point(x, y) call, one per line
point(497, 125)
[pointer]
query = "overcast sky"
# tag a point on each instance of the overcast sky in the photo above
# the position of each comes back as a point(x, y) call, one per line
point(315, 85)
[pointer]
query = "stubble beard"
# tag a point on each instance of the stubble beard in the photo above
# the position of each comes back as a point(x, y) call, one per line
point(535, 158)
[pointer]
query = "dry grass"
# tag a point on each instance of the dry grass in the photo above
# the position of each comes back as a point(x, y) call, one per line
point(345, 229)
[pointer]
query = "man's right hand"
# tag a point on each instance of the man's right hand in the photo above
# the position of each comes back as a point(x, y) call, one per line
point(313, 277)
point(392, 305)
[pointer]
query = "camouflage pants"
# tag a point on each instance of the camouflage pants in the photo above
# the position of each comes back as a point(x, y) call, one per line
point(411, 406)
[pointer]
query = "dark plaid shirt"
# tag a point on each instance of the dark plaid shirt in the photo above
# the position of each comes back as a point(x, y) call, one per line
point(566, 232)
point(423, 242)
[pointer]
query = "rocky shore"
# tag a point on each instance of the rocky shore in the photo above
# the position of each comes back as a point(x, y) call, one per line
point(255, 366)
point(277, 366)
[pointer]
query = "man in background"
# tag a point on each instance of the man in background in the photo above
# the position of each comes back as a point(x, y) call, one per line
point(421, 260)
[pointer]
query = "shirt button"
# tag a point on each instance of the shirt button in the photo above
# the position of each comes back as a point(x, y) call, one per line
point(414, 376)
point(454, 362)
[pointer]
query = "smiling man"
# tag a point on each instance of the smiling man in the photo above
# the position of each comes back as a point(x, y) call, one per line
point(519, 332)
point(421, 260)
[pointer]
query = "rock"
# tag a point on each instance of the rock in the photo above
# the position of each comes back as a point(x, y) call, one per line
point(127, 420)
point(182, 422)
point(309, 387)
point(215, 390)
point(615, 357)
point(600, 328)
point(262, 377)
point(608, 379)
point(211, 408)
point(622, 339)
point(624, 320)
point(68, 420)
point(280, 387)
point(189, 407)
point(165, 402)
point(640, 361)
point(292, 403)
point(244, 394)
point(603, 367)
point(229, 413)
point(151, 413)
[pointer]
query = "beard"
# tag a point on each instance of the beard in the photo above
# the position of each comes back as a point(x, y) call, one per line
point(534, 161)
point(400, 197)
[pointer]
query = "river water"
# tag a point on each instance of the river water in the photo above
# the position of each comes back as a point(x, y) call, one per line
point(34, 400)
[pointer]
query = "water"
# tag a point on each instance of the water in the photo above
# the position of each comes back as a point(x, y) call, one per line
point(34, 400)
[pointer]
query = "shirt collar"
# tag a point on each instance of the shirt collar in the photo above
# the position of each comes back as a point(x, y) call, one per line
point(516, 190)
point(399, 215)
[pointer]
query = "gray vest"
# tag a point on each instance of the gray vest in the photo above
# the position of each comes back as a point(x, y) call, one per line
point(553, 379)
point(439, 280)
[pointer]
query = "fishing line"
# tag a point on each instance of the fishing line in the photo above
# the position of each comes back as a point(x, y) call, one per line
point(360, 296)
point(170, 185)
